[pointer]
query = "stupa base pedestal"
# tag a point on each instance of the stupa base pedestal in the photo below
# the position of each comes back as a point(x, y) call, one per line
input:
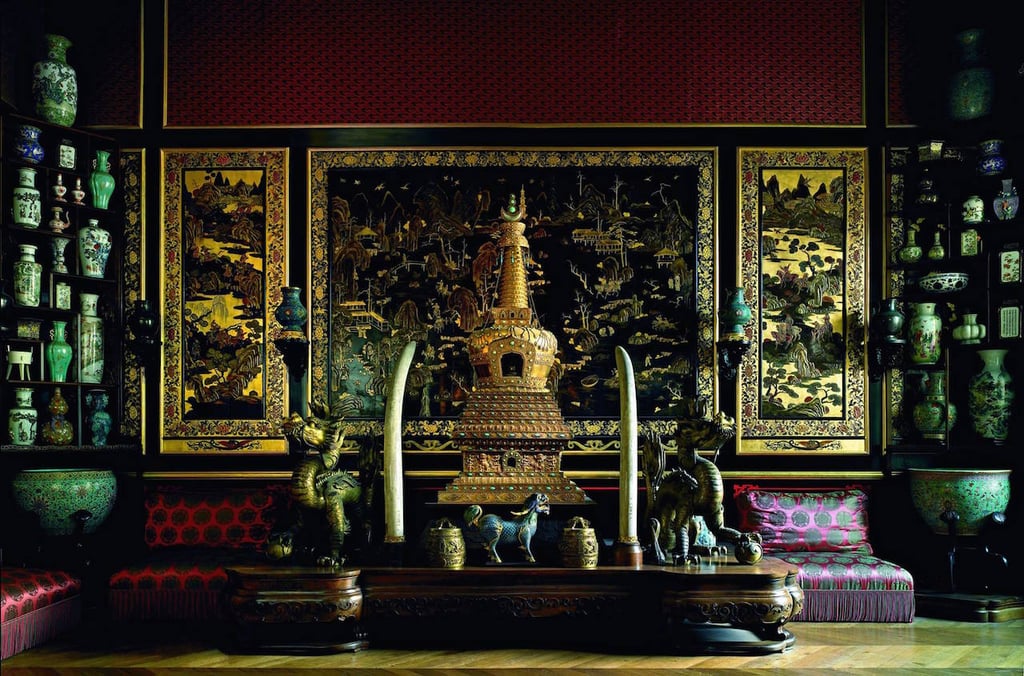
point(511, 488)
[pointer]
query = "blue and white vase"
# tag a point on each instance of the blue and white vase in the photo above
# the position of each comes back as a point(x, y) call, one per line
point(991, 162)
point(27, 147)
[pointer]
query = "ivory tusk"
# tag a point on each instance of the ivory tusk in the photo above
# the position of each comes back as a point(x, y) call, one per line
point(628, 448)
point(394, 519)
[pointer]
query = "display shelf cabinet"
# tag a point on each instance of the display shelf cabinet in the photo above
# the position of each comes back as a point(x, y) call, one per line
point(939, 197)
point(68, 160)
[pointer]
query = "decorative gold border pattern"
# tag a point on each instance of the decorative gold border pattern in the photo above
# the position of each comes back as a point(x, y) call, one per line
point(209, 436)
point(847, 434)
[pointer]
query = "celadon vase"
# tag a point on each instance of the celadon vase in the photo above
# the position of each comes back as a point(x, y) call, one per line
point(101, 183)
point(990, 397)
point(934, 416)
point(55, 84)
point(925, 334)
point(58, 353)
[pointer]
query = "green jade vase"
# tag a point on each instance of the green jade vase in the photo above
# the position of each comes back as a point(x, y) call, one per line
point(58, 353)
point(101, 183)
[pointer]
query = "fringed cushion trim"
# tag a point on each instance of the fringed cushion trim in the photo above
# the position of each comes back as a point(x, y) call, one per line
point(850, 572)
point(856, 606)
point(159, 604)
point(39, 626)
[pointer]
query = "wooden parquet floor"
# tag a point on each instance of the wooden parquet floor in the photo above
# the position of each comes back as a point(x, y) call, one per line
point(927, 646)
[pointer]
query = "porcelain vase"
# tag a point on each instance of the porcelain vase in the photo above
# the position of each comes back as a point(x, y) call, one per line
point(94, 244)
point(991, 162)
point(98, 420)
point(934, 416)
point(971, 87)
point(970, 332)
point(27, 205)
point(58, 353)
point(1007, 201)
point(58, 431)
point(973, 210)
point(27, 147)
point(22, 418)
point(990, 397)
point(101, 182)
point(55, 495)
point(911, 251)
point(90, 340)
point(54, 84)
point(60, 245)
point(28, 277)
point(925, 334)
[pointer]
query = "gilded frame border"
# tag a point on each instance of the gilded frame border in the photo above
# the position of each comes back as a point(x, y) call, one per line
point(133, 178)
point(803, 387)
point(437, 430)
point(250, 322)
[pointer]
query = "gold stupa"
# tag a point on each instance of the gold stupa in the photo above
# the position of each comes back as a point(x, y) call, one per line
point(511, 432)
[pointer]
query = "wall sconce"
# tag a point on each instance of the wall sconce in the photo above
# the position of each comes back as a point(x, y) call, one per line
point(292, 342)
point(733, 344)
point(144, 324)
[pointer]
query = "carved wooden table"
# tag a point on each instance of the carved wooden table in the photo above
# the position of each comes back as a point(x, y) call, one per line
point(295, 610)
point(721, 607)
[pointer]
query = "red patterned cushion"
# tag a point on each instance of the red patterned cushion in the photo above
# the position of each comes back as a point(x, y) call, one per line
point(179, 571)
point(23, 590)
point(233, 519)
point(848, 571)
point(814, 521)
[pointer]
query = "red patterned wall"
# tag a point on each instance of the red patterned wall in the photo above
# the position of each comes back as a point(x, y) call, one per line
point(302, 63)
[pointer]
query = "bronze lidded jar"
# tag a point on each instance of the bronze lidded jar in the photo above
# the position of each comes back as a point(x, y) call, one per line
point(446, 547)
point(578, 545)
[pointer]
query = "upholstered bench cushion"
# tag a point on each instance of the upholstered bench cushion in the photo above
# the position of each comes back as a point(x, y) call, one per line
point(36, 605)
point(851, 587)
point(174, 584)
point(234, 519)
point(806, 521)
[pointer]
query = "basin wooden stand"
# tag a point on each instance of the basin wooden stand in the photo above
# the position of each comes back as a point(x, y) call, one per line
point(720, 607)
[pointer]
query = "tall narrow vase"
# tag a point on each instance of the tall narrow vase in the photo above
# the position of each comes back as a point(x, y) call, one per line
point(22, 418)
point(100, 181)
point(54, 84)
point(90, 340)
point(58, 353)
point(925, 333)
point(28, 277)
point(93, 249)
point(934, 416)
point(990, 396)
point(98, 419)
point(27, 206)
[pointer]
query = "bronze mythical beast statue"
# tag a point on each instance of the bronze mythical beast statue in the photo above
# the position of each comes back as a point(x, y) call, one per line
point(694, 488)
point(322, 488)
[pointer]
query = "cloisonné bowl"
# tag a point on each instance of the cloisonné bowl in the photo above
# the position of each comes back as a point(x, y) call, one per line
point(54, 495)
point(974, 494)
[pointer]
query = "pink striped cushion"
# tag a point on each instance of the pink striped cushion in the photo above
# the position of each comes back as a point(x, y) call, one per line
point(807, 521)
